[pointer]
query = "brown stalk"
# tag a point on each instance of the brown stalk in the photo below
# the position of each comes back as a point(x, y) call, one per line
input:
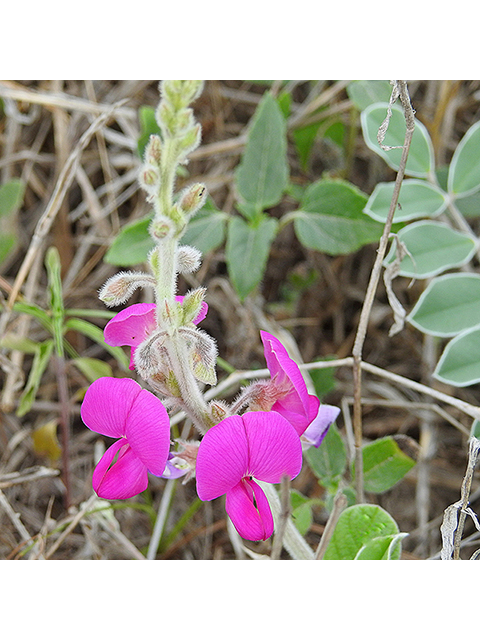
point(401, 88)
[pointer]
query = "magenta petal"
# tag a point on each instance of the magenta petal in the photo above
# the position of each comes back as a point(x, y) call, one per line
point(148, 431)
point(131, 326)
point(126, 478)
point(248, 508)
point(107, 404)
point(274, 448)
point(222, 458)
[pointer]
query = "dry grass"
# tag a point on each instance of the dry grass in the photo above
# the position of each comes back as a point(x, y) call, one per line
point(82, 188)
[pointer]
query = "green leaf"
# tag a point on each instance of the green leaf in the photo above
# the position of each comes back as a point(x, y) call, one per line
point(420, 162)
point(93, 368)
point(459, 364)
point(262, 175)
point(383, 548)
point(11, 197)
point(475, 429)
point(331, 218)
point(358, 526)
point(450, 304)
point(304, 139)
point(39, 364)
point(148, 126)
point(247, 250)
point(52, 262)
point(96, 334)
point(432, 248)
point(464, 172)
point(384, 464)
point(132, 245)
point(206, 231)
point(329, 461)
point(40, 314)
point(417, 199)
point(301, 511)
point(363, 93)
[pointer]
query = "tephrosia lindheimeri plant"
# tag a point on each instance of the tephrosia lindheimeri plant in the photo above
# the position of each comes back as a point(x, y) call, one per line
point(261, 435)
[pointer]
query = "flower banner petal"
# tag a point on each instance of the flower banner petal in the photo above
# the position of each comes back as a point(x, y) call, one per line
point(222, 458)
point(248, 508)
point(131, 326)
point(126, 478)
point(274, 447)
point(107, 404)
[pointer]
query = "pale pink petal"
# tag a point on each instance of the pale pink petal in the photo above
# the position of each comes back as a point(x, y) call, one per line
point(274, 448)
point(222, 458)
point(107, 404)
point(318, 428)
point(126, 478)
point(148, 431)
point(248, 508)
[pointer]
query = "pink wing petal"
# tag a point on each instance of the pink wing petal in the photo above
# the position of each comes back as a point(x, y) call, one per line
point(107, 404)
point(248, 508)
point(127, 476)
point(131, 326)
point(148, 431)
point(274, 447)
point(222, 458)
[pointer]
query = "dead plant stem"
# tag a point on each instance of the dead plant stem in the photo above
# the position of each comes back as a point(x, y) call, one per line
point(339, 504)
point(474, 450)
point(401, 88)
point(283, 518)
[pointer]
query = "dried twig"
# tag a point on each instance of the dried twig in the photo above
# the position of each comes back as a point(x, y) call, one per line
point(400, 89)
point(339, 504)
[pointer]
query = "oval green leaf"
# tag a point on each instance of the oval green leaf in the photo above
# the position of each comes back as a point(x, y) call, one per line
point(384, 464)
point(357, 526)
point(246, 251)
point(450, 304)
point(432, 248)
point(420, 160)
point(331, 218)
point(262, 175)
point(206, 231)
point(459, 364)
point(363, 93)
point(417, 199)
point(132, 245)
point(464, 172)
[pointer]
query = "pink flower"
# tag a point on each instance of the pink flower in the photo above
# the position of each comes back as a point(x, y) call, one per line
point(293, 400)
point(120, 408)
point(135, 323)
point(318, 428)
point(258, 444)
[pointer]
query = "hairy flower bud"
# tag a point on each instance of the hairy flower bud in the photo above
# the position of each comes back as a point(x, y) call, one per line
point(189, 142)
point(188, 259)
point(192, 304)
point(193, 198)
point(121, 286)
point(161, 227)
point(153, 150)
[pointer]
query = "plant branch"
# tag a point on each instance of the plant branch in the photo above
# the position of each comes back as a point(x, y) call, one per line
point(400, 89)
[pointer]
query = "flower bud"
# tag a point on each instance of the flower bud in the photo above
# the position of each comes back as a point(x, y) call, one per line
point(189, 141)
point(218, 410)
point(161, 227)
point(192, 304)
point(121, 286)
point(193, 198)
point(153, 150)
point(188, 259)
